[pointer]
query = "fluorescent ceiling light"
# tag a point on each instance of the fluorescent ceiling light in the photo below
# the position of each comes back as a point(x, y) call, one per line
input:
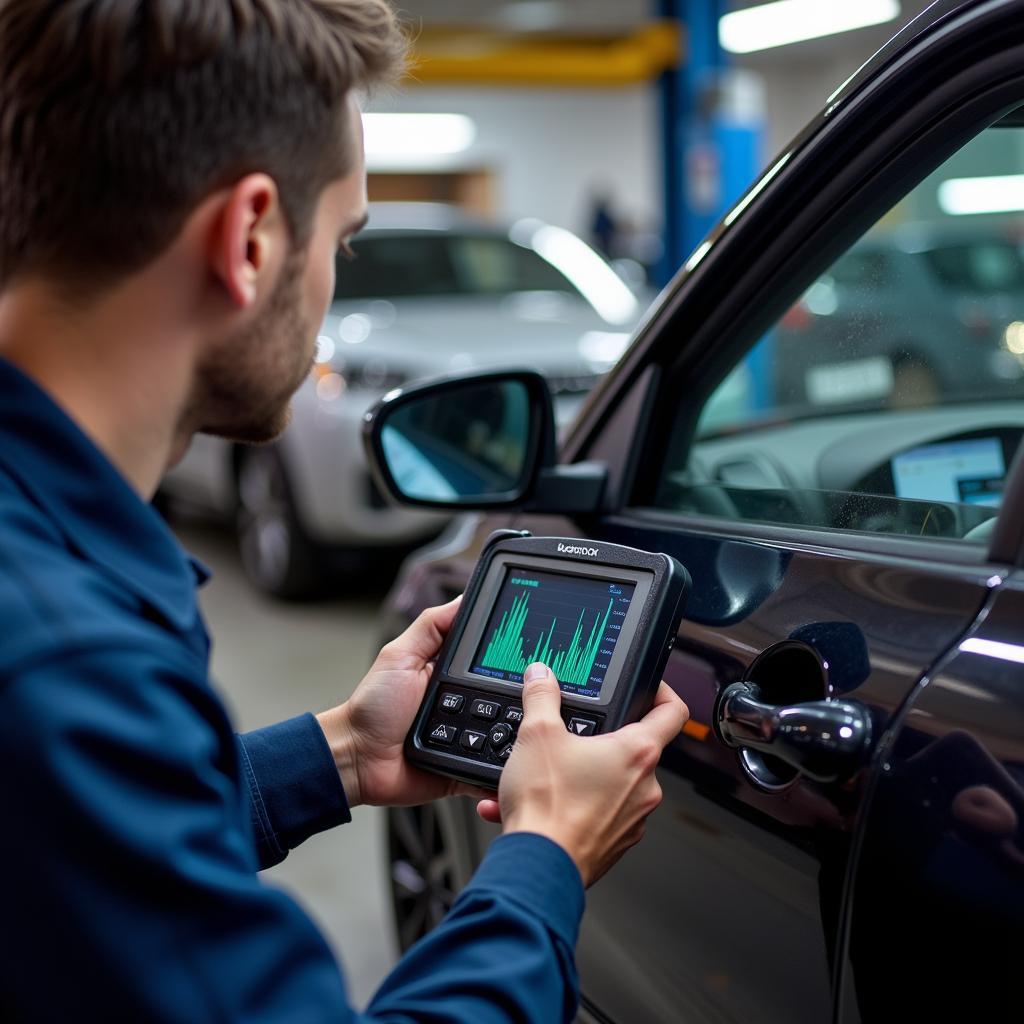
point(416, 136)
point(998, 194)
point(793, 21)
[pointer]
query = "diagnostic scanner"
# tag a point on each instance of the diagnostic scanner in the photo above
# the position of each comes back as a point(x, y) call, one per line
point(601, 616)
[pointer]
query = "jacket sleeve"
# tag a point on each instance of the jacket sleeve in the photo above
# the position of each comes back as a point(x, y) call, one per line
point(504, 952)
point(294, 788)
point(129, 862)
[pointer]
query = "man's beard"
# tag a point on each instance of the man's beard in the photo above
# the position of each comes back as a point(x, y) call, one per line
point(246, 385)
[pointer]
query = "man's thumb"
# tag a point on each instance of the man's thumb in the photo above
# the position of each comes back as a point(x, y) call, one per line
point(541, 695)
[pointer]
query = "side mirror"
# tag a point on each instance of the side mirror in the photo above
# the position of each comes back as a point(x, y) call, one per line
point(479, 441)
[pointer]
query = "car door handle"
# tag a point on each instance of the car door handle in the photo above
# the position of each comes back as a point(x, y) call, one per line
point(825, 740)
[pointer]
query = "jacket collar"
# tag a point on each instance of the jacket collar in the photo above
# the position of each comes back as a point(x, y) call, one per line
point(91, 503)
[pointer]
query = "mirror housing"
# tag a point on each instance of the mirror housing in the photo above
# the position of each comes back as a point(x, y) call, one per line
point(476, 442)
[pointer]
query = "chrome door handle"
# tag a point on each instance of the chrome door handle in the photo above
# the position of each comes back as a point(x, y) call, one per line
point(825, 740)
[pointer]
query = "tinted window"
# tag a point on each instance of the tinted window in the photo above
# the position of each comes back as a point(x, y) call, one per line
point(435, 263)
point(888, 398)
point(863, 270)
point(984, 267)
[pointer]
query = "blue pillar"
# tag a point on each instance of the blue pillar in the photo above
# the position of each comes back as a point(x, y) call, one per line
point(710, 157)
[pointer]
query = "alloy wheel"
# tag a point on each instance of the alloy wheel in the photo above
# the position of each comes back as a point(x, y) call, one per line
point(422, 871)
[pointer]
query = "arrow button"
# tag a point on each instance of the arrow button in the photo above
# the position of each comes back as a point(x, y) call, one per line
point(582, 726)
point(473, 740)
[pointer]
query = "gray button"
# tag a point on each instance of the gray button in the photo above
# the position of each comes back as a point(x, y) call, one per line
point(442, 734)
point(452, 702)
point(473, 740)
point(485, 709)
point(500, 735)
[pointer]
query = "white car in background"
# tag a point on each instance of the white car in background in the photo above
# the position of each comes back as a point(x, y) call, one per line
point(432, 291)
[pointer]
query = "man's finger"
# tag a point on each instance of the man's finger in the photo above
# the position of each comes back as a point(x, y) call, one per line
point(541, 695)
point(668, 716)
point(489, 811)
point(424, 637)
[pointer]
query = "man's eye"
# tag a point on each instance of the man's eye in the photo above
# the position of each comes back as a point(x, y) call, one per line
point(347, 251)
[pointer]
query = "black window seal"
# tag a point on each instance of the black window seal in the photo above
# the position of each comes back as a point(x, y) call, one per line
point(972, 558)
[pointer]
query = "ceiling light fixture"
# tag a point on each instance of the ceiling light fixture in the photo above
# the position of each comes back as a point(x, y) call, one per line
point(415, 136)
point(998, 194)
point(794, 21)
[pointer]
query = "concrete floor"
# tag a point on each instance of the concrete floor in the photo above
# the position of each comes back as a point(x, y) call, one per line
point(272, 661)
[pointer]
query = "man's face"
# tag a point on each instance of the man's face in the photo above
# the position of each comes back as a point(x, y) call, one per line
point(251, 379)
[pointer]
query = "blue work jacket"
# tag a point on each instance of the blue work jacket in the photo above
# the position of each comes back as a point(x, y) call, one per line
point(135, 822)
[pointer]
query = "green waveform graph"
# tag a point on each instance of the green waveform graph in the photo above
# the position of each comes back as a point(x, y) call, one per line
point(506, 651)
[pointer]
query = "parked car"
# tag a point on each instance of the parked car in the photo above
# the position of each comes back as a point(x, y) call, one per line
point(432, 290)
point(864, 550)
point(900, 304)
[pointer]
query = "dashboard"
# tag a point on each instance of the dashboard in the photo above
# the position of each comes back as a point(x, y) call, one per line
point(931, 472)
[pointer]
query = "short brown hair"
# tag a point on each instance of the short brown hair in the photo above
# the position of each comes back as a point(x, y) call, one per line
point(117, 117)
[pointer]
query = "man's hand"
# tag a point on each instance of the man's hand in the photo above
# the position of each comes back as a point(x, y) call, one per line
point(367, 731)
point(590, 794)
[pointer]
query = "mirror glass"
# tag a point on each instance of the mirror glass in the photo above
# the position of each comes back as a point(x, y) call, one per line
point(466, 443)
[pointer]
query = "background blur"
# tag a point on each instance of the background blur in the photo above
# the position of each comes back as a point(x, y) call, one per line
point(623, 124)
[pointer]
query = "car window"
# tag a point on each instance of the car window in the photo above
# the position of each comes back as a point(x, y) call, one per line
point(420, 264)
point(888, 398)
point(985, 267)
point(864, 268)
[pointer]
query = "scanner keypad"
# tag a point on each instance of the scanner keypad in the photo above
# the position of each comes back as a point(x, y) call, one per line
point(460, 720)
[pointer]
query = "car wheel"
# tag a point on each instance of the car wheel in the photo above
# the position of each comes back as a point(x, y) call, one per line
point(276, 554)
point(423, 871)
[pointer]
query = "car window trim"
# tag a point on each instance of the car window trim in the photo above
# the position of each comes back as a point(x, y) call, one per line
point(966, 555)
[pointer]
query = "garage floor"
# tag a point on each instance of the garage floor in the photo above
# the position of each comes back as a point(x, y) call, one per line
point(272, 661)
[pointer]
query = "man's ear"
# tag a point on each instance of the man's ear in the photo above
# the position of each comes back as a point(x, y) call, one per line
point(249, 238)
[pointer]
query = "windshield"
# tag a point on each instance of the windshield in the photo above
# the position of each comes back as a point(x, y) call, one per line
point(434, 263)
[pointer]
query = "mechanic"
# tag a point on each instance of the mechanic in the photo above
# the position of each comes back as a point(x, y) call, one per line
point(175, 179)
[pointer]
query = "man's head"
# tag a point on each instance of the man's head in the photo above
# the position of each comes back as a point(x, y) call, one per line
point(123, 122)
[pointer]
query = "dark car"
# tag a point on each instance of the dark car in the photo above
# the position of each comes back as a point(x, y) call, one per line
point(865, 551)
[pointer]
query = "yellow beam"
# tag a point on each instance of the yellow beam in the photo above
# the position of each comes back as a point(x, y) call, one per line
point(465, 56)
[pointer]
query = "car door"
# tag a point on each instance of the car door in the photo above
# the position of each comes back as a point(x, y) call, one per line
point(841, 539)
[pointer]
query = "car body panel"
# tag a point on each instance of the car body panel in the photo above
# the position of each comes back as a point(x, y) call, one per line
point(939, 887)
